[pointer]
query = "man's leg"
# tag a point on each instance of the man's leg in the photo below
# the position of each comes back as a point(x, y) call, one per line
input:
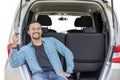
point(40, 76)
point(54, 76)
point(60, 78)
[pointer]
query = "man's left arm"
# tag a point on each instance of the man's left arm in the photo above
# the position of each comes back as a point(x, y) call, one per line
point(64, 51)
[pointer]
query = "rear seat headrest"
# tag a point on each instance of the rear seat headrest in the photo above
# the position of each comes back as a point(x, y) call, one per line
point(46, 30)
point(83, 21)
point(44, 20)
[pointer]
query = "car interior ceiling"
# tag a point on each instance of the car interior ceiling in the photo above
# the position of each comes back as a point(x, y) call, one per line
point(88, 60)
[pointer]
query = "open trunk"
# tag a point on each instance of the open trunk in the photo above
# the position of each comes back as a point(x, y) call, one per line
point(80, 26)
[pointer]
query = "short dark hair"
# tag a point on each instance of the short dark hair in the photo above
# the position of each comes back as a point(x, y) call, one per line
point(32, 23)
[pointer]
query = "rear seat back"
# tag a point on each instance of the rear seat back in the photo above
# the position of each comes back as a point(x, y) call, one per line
point(88, 50)
point(59, 36)
point(89, 30)
point(87, 45)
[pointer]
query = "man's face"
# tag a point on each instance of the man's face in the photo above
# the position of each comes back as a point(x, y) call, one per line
point(35, 31)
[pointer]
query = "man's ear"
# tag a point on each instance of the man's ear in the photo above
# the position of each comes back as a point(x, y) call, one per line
point(28, 32)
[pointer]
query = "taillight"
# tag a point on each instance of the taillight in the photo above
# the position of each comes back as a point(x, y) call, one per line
point(116, 55)
point(9, 48)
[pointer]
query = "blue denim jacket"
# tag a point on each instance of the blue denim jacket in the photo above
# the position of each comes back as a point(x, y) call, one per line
point(52, 48)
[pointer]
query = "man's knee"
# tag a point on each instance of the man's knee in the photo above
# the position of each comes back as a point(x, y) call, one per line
point(39, 77)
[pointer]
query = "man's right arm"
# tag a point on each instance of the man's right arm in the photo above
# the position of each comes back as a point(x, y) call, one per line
point(16, 57)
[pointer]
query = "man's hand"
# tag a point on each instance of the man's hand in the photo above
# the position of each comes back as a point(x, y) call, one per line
point(15, 40)
point(64, 74)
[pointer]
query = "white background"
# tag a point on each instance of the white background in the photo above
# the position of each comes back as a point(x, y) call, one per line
point(7, 13)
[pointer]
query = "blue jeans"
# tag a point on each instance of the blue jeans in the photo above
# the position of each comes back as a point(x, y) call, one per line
point(47, 75)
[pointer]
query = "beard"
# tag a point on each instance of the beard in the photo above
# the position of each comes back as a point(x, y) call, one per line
point(36, 36)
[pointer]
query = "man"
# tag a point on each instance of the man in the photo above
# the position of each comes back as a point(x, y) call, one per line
point(41, 55)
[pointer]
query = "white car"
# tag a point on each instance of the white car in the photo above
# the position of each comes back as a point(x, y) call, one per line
point(89, 28)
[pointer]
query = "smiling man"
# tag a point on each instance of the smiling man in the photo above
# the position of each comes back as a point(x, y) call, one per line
point(41, 55)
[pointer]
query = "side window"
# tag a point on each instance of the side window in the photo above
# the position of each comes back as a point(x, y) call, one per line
point(30, 16)
point(26, 21)
point(98, 22)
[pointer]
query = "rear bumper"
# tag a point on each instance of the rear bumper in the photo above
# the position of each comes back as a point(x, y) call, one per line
point(114, 73)
point(20, 73)
point(12, 73)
